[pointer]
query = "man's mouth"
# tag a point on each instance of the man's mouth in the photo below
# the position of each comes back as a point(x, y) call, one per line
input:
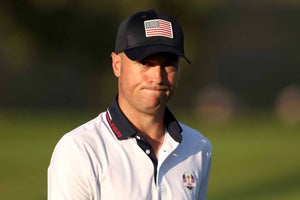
point(157, 87)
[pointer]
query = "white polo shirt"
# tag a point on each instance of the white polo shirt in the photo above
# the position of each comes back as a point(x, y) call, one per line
point(107, 159)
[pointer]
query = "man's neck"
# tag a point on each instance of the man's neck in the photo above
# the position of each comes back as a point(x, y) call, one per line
point(151, 126)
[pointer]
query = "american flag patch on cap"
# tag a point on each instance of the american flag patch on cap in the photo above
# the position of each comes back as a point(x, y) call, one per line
point(158, 27)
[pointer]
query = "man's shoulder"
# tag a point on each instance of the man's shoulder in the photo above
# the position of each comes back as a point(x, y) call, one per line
point(190, 134)
point(87, 130)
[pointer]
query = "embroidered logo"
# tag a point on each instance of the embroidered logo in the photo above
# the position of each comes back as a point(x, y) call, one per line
point(189, 180)
point(113, 126)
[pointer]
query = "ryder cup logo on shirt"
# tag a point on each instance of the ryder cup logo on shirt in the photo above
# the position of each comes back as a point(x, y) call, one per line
point(158, 27)
point(188, 180)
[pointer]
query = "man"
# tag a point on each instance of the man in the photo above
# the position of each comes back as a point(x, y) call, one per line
point(136, 149)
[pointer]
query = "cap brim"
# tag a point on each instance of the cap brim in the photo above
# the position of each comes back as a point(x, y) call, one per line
point(139, 53)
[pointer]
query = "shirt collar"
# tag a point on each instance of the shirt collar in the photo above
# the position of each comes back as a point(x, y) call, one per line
point(123, 129)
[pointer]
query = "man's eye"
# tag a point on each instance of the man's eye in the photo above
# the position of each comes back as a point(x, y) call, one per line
point(145, 63)
point(172, 68)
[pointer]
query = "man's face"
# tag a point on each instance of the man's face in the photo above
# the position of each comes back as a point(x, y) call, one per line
point(147, 85)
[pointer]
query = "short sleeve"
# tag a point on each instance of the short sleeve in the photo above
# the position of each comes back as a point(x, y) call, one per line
point(68, 172)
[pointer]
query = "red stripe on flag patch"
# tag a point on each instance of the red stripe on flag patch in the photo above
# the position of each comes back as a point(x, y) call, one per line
point(158, 27)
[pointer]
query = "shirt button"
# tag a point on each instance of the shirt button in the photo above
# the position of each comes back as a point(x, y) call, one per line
point(138, 137)
point(147, 151)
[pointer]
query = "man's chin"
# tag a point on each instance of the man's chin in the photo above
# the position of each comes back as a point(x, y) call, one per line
point(155, 105)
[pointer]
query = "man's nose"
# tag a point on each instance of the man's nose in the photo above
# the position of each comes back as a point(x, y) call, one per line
point(158, 74)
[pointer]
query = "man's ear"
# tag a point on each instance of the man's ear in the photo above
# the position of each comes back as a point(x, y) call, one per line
point(116, 63)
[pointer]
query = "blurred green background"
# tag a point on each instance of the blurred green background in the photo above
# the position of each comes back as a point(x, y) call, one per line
point(242, 90)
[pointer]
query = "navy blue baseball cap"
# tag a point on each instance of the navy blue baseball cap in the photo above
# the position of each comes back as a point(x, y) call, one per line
point(148, 32)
